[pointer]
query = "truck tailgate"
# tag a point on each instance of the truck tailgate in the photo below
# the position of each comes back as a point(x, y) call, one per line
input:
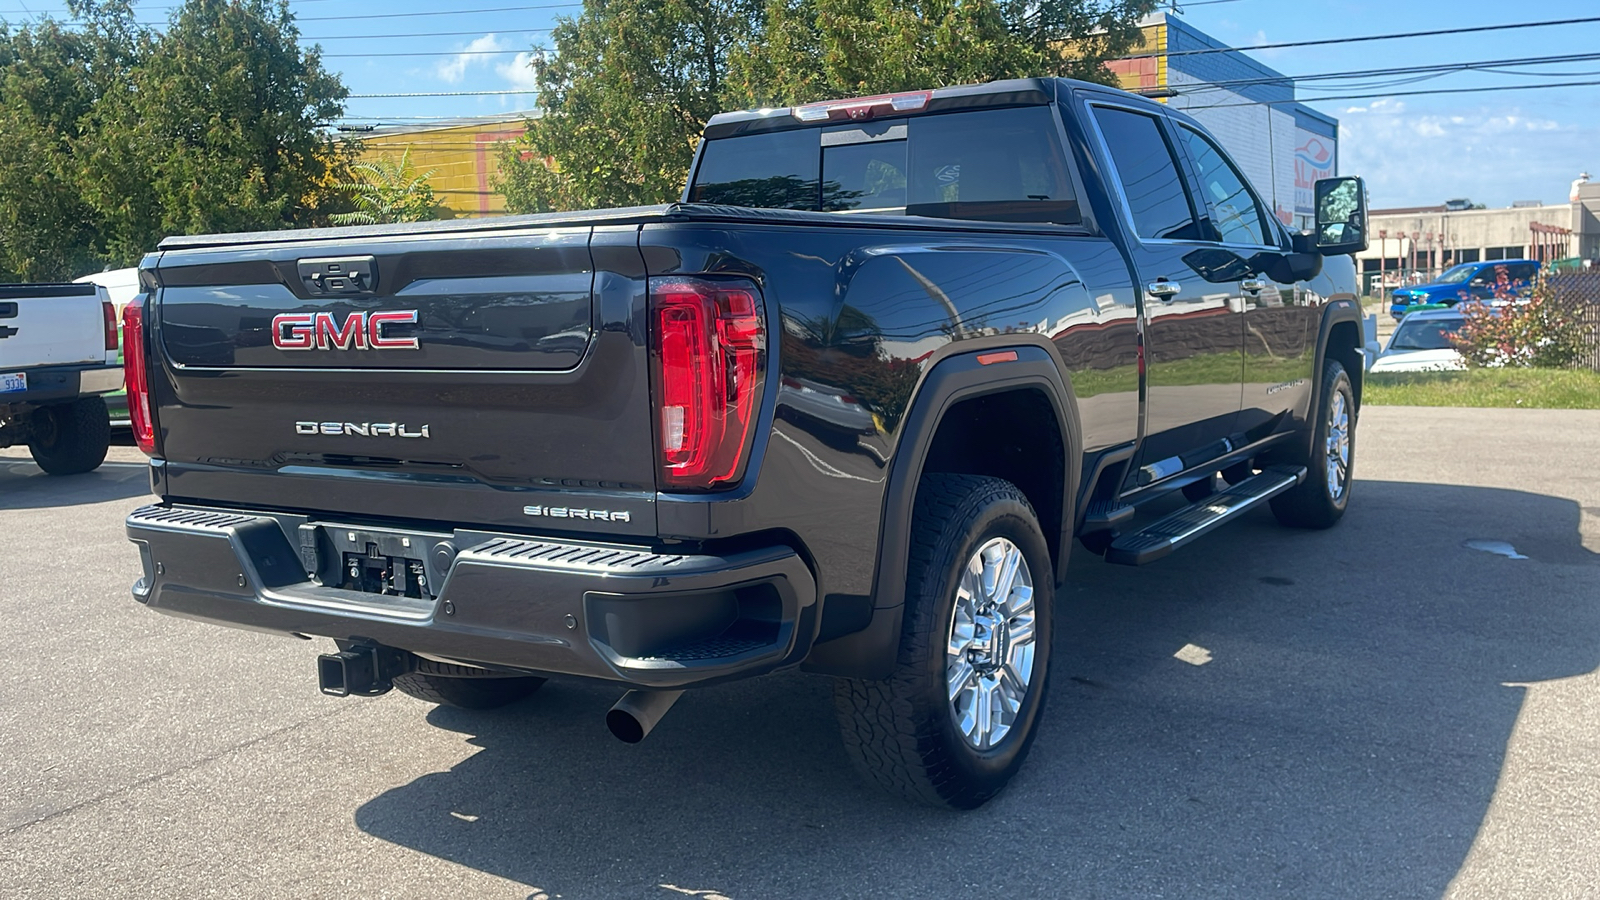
point(50, 325)
point(490, 379)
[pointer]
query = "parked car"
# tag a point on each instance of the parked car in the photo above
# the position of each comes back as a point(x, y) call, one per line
point(1421, 343)
point(121, 285)
point(1468, 281)
point(1043, 303)
point(59, 357)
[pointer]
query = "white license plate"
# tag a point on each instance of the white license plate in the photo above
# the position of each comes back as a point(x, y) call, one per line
point(11, 384)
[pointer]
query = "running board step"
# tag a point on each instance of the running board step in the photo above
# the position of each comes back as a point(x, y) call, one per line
point(1168, 534)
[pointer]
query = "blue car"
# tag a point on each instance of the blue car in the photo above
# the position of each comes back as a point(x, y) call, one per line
point(1468, 281)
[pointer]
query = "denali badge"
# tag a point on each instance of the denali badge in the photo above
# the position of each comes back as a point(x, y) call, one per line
point(361, 429)
point(361, 331)
point(573, 512)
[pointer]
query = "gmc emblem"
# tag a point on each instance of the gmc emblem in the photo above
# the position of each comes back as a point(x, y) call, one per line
point(361, 331)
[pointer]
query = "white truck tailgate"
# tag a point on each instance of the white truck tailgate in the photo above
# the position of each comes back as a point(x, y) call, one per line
point(51, 325)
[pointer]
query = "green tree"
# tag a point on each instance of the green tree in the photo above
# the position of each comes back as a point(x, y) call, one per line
point(389, 190)
point(817, 49)
point(113, 135)
point(625, 95)
point(52, 83)
point(227, 116)
point(630, 84)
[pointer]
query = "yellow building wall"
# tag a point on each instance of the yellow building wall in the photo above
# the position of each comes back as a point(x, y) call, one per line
point(464, 160)
point(1150, 72)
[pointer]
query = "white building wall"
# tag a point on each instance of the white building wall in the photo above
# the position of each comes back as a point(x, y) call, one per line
point(1259, 138)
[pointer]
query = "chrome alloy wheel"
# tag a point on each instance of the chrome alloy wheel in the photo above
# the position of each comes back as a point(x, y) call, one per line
point(989, 657)
point(1338, 450)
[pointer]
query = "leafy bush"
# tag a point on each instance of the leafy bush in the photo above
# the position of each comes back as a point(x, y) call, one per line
point(1543, 330)
point(388, 191)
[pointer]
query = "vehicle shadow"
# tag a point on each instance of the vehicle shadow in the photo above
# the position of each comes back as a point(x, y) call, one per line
point(1344, 738)
point(24, 486)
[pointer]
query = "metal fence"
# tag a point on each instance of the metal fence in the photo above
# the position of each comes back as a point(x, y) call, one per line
point(1583, 289)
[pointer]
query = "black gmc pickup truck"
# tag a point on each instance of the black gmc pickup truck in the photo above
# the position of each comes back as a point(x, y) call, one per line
point(846, 407)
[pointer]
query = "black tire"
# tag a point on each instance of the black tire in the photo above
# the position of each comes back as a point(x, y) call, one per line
point(464, 687)
point(1315, 503)
point(901, 733)
point(71, 438)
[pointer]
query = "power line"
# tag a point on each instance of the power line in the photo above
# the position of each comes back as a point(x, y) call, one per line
point(404, 15)
point(1473, 90)
point(444, 122)
point(374, 37)
point(439, 94)
point(1288, 80)
point(442, 12)
point(1441, 68)
point(423, 53)
point(1170, 54)
point(1369, 37)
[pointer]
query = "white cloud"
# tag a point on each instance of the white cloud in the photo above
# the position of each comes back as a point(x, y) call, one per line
point(519, 72)
point(1260, 39)
point(1492, 154)
point(453, 69)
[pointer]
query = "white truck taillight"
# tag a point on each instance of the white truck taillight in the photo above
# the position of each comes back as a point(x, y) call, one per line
point(110, 314)
point(136, 375)
point(708, 349)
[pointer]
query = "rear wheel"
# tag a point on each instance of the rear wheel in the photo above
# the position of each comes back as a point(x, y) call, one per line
point(71, 438)
point(464, 687)
point(1320, 500)
point(953, 724)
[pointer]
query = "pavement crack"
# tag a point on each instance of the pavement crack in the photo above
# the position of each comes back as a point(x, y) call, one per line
point(179, 770)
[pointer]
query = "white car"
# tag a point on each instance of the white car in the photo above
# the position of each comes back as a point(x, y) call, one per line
point(1421, 343)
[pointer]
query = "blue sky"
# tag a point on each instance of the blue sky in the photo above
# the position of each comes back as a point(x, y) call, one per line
point(1492, 147)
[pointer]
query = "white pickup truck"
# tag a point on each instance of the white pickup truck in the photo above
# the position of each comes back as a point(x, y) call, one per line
point(58, 358)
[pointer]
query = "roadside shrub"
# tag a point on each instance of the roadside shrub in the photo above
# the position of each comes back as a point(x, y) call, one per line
point(1543, 330)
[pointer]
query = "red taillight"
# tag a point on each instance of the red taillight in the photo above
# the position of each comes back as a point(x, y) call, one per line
point(708, 344)
point(110, 313)
point(862, 107)
point(136, 376)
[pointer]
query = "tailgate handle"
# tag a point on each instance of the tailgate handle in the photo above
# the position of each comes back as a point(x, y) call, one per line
point(8, 310)
point(349, 276)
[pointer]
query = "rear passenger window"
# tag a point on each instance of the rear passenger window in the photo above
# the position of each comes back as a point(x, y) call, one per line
point(1148, 173)
point(1522, 271)
point(997, 165)
point(777, 170)
point(1234, 210)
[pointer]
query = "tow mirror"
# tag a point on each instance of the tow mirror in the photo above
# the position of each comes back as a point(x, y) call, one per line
point(1341, 216)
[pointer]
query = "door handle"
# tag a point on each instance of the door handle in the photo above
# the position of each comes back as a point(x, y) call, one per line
point(1253, 285)
point(1164, 290)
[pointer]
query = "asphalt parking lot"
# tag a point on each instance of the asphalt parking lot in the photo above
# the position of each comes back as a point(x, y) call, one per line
point(1385, 712)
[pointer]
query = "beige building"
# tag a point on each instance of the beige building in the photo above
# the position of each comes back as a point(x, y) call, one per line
point(1413, 245)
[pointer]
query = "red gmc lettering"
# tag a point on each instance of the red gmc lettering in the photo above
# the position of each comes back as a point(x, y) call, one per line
point(360, 331)
point(378, 341)
point(353, 336)
point(292, 331)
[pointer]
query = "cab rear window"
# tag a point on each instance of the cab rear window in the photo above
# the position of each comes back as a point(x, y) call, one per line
point(1004, 165)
